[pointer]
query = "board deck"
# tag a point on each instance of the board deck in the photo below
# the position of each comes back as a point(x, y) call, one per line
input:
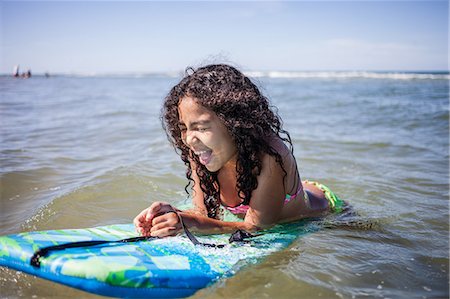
point(170, 267)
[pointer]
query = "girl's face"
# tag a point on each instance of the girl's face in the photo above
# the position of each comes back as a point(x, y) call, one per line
point(204, 133)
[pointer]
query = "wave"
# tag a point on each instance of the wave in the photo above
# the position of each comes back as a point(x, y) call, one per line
point(352, 75)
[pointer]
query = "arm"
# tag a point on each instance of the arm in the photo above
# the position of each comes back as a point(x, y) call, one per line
point(157, 222)
point(268, 198)
point(197, 223)
point(197, 194)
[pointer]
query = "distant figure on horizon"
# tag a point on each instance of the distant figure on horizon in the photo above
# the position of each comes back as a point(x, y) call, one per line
point(27, 74)
point(24, 75)
point(16, 71)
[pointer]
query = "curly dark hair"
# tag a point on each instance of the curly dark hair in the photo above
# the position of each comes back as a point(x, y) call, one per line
point(246, 114)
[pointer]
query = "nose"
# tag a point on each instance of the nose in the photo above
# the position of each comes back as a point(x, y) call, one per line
point(190, 138)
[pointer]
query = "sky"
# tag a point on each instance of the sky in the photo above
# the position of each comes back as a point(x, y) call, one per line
point(152, 36)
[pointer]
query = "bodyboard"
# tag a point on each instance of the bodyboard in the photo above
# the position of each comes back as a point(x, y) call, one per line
point(169, 267)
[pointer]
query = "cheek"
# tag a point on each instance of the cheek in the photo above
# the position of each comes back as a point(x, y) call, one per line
point(227, 144)
point(208, 139)
point(231, 147)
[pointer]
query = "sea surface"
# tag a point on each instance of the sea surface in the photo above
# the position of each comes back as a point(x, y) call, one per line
point(83, 151)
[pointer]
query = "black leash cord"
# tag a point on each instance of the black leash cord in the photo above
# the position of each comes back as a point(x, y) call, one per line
point(45, 251)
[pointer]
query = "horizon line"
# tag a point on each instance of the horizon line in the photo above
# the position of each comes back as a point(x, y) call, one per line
point(177, 72)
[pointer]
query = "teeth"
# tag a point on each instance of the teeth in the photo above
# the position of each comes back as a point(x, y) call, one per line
point(200, 153)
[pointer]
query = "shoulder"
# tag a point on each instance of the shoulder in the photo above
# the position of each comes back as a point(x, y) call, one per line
point(270, 165)
point(277, 144)
point(270, 162)
point(288, 166)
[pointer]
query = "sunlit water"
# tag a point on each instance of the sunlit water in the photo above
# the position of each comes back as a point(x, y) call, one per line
point(88, 151)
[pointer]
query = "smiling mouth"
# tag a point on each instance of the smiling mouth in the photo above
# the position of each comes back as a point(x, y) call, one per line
point(204, 156)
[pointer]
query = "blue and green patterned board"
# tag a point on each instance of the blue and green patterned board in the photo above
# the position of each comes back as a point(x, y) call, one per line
point(162, 268)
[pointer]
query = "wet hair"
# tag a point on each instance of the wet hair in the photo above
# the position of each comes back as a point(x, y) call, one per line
point(246, 114)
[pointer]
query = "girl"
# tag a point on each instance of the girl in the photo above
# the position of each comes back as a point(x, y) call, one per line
point(232, 144)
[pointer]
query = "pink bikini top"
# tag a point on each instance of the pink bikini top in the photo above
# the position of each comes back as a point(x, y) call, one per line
point(242, 209)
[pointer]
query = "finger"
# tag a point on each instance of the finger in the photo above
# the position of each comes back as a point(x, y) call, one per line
point(152, 210)
point(145, 232)
point(164, 232)
point(165, 222)
point(157, 209)
point(140, 218)
point(141, 231)
point(144, 228)
point(139, 225)
point(170, 218)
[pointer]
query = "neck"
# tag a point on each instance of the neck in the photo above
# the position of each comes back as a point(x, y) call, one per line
point(230, 165)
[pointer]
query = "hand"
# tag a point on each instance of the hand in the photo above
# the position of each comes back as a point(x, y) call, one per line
point(156, 221)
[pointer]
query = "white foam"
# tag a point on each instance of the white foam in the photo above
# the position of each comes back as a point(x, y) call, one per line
point(349, 75)
point(171, 262)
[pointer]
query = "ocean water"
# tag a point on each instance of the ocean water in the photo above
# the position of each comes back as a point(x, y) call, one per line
point(82, 151)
